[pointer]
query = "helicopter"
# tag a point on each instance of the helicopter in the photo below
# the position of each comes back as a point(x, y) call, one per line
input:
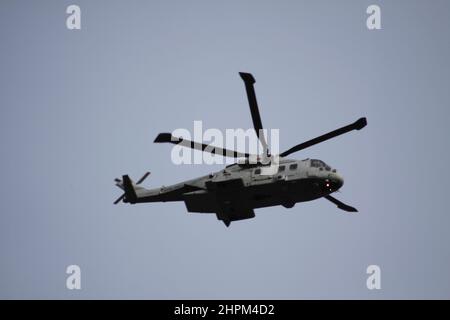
point(234, 192)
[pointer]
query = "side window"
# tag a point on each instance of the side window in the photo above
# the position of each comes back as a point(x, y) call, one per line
point(258, 171)
point(281, 168)
point(315, 163)
point(293, 166)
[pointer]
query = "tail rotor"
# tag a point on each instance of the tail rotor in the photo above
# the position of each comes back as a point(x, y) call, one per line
point(119, 183)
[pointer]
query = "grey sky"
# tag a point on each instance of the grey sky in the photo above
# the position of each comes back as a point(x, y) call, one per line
point(79, 108)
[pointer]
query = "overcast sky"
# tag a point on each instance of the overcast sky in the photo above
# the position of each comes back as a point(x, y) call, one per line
point(81, 107)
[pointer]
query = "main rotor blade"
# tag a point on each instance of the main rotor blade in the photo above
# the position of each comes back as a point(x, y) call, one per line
point(340, 204)
point(357, 125)
point(168, 138)
point(256, 118)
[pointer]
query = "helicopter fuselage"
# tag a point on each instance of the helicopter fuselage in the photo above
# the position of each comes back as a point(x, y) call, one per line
point(245, 187)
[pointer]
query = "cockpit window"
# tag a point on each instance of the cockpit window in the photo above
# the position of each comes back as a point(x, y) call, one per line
point(315, 163)
point(257, 171)
point(293, 166)
point(281, 168)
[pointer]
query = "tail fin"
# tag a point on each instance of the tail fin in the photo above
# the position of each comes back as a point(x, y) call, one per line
point(130, 188)
point(130, 193)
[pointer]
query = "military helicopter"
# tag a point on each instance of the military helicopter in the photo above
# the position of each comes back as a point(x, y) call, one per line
point(235, 191)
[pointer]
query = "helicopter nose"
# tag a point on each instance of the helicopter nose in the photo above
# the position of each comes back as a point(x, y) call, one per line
point(335, 182)
point(339, 181)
